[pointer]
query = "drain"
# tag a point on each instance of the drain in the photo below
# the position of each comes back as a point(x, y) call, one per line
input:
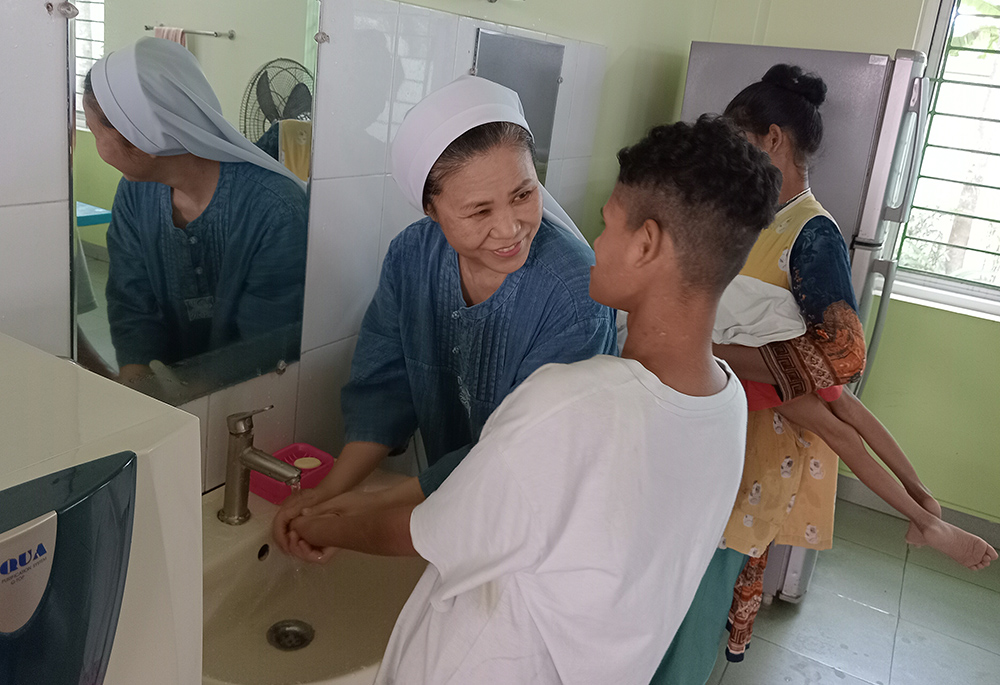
point(290, 635)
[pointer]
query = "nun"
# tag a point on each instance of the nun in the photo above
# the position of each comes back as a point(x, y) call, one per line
point(490, 285)
point(207, 240)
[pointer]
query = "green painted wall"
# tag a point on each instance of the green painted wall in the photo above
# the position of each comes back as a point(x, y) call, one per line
point(934, 381)
point(94, 182)
point(228, 64)
point(265, 30)
point(934, 386)
point(853, 25)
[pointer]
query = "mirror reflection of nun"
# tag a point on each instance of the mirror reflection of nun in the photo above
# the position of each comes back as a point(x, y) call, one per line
point(207, 240)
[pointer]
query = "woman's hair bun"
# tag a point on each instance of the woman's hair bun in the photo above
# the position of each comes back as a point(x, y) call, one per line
point(792, 78)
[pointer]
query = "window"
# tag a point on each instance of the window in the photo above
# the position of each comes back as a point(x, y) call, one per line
point(953, 234)
point(89, 43)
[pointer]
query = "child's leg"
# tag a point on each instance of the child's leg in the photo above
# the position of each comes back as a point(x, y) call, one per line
point(813, 414)
point(851, 411)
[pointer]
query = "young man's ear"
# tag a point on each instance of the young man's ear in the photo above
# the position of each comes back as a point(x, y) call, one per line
point(649, 241)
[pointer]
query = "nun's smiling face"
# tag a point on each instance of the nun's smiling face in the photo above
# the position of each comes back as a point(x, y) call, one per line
point(490, 210)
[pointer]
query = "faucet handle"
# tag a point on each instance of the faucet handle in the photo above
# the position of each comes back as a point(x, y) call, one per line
point(242, 422)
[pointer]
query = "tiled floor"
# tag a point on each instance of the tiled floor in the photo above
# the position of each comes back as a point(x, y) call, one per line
point(877, 612)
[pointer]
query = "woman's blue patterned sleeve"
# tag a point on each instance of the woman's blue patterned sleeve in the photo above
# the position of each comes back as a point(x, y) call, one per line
point(820, 269)
point(271, 296)
point(139, 331)
point(832, 350)
point(377, 401)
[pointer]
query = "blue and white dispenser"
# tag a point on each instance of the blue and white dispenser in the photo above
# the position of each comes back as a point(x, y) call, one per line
point(58, 424)
point(64, 551)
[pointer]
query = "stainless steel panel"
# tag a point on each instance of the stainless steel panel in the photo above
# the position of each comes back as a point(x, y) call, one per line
point(530, 67)
point(856, 83)
point(898, 144)
point(862, 259)
point(887, 269)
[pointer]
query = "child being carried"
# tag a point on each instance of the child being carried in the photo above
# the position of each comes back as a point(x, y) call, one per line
point(754, 313)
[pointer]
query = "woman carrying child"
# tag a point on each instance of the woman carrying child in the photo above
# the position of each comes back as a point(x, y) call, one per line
point(788, 491)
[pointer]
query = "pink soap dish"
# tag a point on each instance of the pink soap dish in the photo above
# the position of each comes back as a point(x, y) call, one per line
point(276, 492)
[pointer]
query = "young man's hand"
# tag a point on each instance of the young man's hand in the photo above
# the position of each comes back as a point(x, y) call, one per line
point(301, 530)
point(290, 509)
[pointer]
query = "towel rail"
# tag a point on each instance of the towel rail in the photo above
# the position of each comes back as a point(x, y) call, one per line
point(230, 34)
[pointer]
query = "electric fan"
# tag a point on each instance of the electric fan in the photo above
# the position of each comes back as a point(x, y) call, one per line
point(281, 89)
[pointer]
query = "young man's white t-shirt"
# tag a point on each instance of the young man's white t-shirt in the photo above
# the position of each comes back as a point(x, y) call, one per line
point(569, 543)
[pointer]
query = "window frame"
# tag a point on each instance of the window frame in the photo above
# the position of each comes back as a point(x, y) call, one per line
point(934, 35)
point(81, 123)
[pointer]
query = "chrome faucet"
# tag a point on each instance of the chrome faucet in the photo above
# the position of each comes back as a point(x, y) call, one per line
point(243, 457)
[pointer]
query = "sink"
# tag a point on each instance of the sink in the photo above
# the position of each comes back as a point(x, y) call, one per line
point(350, 603)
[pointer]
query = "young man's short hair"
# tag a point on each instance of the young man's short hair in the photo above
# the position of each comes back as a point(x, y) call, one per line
point(709, 188)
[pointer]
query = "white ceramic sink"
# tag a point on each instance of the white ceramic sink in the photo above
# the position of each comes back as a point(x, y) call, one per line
point(351, 603)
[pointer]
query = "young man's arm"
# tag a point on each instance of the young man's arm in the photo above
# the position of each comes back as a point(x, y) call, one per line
point(382, 531)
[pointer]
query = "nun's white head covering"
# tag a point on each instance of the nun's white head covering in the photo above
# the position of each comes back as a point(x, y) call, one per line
point(441, 117)
point(155, 94)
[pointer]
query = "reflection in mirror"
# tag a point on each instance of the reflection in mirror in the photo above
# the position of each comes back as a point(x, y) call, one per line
point(193, 150)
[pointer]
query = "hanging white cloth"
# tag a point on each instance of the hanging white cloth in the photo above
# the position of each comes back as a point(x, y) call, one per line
point(754, 313)
point(155, 94)
point(444, 115)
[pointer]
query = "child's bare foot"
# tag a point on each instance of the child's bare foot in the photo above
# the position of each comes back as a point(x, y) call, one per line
point(967, 549)
point(929, 504)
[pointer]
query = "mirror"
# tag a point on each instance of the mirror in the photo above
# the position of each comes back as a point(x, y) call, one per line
point(532, 68)
point(198, 302)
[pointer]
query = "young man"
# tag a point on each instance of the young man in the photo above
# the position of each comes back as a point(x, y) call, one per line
point(570, 542)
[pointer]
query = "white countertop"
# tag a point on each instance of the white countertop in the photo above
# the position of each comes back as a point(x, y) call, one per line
point(55, 414)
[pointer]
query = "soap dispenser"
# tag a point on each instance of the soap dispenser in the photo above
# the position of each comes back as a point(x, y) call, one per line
point(64, 549)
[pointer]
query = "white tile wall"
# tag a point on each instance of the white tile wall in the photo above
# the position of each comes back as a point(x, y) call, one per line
point(355, 76)
point(34, 178)
point(559, 148)
point(397, 214)
point(355, 210)
point(589, 77)
point(345, 220)
point(273, 429)
point(34, 268)
point(323, 372)
point(35, 138)
point(425, 58)
point(572, 194)
point(466, 47)
point(382, 58)
point(554, 178)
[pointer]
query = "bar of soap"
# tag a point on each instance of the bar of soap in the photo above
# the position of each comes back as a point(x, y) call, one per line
point(306, 463)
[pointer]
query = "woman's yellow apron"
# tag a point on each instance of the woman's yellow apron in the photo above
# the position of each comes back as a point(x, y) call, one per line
point(789, 485)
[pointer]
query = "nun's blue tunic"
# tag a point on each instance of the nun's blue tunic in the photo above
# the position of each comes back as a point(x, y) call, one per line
point(234, 273)
point(426, 360)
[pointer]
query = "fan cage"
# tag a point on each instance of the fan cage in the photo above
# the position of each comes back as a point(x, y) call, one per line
point(282, 74)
